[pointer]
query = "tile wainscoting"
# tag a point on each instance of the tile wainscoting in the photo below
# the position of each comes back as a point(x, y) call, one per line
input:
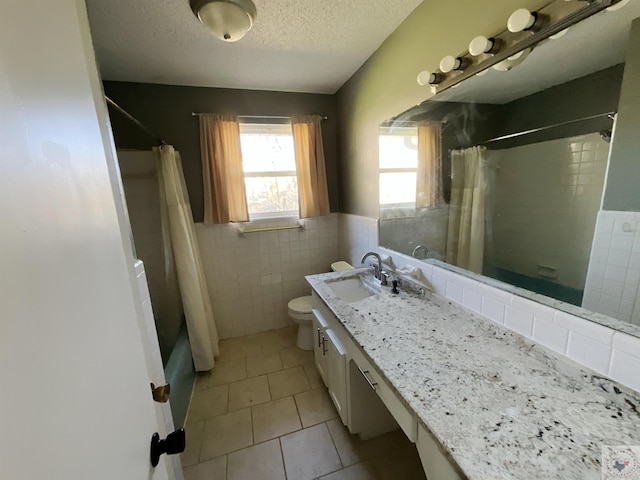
point(613, 278)
point(358, 235)
point(252, 276)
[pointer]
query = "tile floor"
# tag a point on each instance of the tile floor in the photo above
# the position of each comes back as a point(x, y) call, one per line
point(264, 414)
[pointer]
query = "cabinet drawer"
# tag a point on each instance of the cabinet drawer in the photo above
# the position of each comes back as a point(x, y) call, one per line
point(400, 412)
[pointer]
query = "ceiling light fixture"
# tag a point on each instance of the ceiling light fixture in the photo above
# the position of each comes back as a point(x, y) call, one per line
point(509, 48)
point(229, 20)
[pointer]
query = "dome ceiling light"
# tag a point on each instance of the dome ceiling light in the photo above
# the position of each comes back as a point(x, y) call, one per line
point(229, 20)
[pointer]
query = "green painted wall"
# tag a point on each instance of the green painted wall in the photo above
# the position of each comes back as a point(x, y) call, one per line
point(386, 84)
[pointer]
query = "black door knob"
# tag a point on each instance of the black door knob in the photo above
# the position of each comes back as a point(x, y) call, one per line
point(174, 443)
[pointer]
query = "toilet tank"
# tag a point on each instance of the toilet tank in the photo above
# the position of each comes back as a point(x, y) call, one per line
point(341, 266)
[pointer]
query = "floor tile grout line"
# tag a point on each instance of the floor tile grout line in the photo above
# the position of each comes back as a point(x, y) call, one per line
point(326, 425)
point(243, 448)
point(295, 402)
point(333, 440)
point(253, 433)
point(284, 465)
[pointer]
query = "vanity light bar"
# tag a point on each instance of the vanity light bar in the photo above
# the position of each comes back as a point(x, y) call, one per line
point(549, 20)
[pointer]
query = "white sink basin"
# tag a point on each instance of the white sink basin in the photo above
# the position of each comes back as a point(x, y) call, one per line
point(352, 289)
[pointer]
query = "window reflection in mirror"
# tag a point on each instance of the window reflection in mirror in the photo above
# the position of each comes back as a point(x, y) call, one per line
point(398, 166)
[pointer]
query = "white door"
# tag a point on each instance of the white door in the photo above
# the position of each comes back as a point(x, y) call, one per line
point(75, 402)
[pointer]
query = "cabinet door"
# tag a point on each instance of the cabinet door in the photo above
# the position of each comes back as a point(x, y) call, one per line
point(336, 371)
point(319, 344)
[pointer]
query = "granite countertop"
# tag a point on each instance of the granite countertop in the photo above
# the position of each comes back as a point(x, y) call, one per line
point(502, 406)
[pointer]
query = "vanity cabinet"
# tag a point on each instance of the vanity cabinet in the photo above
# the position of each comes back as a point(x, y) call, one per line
point(366, 404)
point(330, 359)
point(378, 387)
point(365, 401)
point(320, 358)
point(337, 373)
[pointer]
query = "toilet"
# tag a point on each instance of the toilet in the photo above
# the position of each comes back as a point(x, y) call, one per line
point(300, 312)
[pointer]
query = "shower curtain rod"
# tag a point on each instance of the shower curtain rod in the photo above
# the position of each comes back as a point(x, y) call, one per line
point(275, 117)
point(135, 120)
point(611, 115)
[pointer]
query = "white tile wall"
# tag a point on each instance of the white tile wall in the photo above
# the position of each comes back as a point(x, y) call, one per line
point(613, 278)
point(140, 182)
point(519, 321)
point(251, 277)
point(543, 206)
point(358, 235)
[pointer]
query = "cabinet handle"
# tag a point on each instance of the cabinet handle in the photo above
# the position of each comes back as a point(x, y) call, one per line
point(324, 345)
point(319, 341)
point(366, 377)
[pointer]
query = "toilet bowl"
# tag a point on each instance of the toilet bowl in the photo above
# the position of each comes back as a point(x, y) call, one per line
point(300, 312)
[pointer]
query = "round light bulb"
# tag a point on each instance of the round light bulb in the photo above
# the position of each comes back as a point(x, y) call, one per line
point(450, 63)
point(520, 20)
point(512, 61)
point(425, 77)
point(480, 45)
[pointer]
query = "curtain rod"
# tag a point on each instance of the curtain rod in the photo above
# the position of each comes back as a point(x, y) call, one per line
point(611, 115)
point(134, 120)
point(275, 117)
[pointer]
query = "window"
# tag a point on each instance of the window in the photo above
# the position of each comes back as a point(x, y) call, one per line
point(398, 165)
point(269, 165)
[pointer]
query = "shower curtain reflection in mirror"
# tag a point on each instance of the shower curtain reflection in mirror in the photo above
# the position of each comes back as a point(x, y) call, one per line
point(465, 238)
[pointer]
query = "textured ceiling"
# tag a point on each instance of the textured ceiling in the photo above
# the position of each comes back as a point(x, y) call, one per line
point(295, 45)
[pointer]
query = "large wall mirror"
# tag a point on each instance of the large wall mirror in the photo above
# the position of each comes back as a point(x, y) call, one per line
point(530, 176)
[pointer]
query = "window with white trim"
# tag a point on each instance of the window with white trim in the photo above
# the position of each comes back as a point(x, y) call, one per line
point(268, 161)
point(398, 165)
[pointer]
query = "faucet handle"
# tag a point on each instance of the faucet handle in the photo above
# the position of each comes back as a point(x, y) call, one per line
point(384, 278)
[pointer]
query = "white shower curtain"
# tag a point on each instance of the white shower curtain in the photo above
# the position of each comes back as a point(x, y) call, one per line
point(203, 335)
point(465, 239)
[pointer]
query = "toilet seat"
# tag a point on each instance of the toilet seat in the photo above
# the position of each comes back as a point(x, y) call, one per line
point(301, 305)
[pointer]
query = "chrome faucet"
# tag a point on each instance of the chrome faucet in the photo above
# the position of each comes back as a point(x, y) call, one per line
point(418, 248)
point(378, 273)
